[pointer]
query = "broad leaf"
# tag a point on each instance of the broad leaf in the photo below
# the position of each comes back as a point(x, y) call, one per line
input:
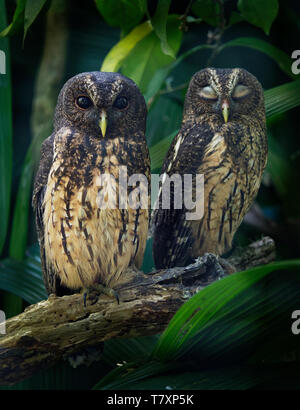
point(123, 48)
point(5, 130)
point(18, 19)
point(208, 10)
point(260, 13)
point(120, 351)
point(159, 22)
point(282, 98)
point(18, 241)
point(132, 372)
point(156, 83)
point(161, 74)
point(147, 57)
point(159, 150)
point(152, 376)
point(279, 167)
point(222, 325)
point(23, 279)
point(32, 10)
point(122, 13)
point(235, 18)
point(283, 60)
point(228, 317)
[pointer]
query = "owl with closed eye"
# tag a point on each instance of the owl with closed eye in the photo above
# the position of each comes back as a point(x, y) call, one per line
point(88, 234)
point(222, 137)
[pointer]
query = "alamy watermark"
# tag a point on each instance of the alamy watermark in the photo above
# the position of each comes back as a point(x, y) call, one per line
point(296, 324)
point(296, 64)
point(2, 62)
point(167, 192)
point(2, 323)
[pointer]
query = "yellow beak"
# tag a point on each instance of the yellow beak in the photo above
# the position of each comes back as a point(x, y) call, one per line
point(225, 110)
point(103, 122)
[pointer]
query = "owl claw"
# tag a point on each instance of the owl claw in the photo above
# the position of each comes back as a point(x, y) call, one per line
point(228, 267)
point(92, 293)
point(221, 266)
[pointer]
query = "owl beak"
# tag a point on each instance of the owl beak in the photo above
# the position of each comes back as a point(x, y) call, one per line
point(225, 110)
point(103, 122)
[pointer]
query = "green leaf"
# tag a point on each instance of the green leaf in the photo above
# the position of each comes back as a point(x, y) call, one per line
point(120, 351)
point(161, 74)
point(282, 98)
point(5, 131)
point(147, 57)
point(62, 376)
point(283, 60)
point(152, 376)
point(279, 167)
point(227, 318)
point(32, 10)
point(235, 18)
point(159, 150)
point(208, 10)
point(18, 241)
point(18, 19)
point(156, 82)
point(123, 48)
point(159, 22)
point(23, 278)
point(129, 373)
point(122, 13)
point(260, 13)
point(11, 304)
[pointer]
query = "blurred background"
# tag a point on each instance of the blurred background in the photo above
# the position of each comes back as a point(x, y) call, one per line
point(160, 45)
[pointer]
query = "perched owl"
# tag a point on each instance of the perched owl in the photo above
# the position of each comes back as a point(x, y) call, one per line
point(222, 136)
point(86, 239)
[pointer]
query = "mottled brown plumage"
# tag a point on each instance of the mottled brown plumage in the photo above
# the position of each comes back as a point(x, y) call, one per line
point(99, 126)
point(223, 136)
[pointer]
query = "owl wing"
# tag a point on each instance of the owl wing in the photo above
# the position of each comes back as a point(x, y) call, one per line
point(40, 182)
point(172, 233)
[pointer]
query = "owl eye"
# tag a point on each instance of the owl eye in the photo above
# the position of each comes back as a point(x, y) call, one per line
point(209, 93)
point(84, 102)
point(120, 103)
point(240, 91)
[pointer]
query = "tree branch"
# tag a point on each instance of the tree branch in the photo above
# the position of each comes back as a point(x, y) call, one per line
point(60, 326)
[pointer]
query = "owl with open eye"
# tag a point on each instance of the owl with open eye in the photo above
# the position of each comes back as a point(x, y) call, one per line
point(86, 237)
point(223, 137)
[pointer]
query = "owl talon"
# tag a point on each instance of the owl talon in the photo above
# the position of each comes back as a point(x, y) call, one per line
point(212, 261)
point(228, 267)
point(222, 266)
point(92, 293)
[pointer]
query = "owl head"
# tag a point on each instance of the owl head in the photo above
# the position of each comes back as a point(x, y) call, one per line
point(227, 94)
point(101, 104)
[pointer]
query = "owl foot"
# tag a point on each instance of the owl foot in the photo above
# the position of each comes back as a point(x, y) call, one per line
point(92, 293)
point(228, 267)
point(221, 266)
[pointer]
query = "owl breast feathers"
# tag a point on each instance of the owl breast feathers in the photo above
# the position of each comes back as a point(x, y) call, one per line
point(85, 237)
point(222, 136)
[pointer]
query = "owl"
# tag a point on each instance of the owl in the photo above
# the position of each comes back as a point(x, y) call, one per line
point(223, 138)
point(86, 237)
